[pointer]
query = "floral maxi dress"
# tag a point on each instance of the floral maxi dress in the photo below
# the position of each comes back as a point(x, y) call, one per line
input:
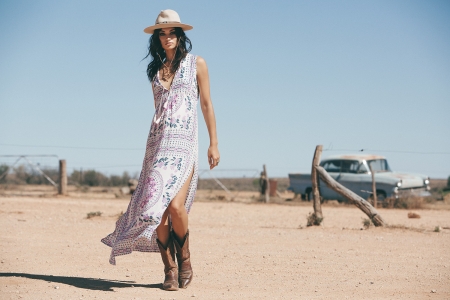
point(171, 155)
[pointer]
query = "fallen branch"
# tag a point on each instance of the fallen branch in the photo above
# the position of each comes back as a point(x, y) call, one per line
point(361, 203)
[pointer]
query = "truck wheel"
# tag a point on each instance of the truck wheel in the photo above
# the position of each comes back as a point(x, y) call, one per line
point(381, 196)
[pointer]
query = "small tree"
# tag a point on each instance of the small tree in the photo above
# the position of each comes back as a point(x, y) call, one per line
point(93, 178)
point(3, 170)
point(448, 182)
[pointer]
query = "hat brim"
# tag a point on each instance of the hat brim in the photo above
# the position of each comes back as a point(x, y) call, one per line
point(151, 29)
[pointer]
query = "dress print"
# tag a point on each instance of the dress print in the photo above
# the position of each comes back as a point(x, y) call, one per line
point(171, 154)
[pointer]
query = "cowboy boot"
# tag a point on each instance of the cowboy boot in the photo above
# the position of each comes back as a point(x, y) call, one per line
point(170, 267)
point(185, 273)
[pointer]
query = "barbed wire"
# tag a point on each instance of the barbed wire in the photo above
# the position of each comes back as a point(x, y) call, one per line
point(140, 149)
point(390, 151)
point(73, 147)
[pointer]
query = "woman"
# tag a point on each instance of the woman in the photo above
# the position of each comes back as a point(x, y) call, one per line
point(157, 216)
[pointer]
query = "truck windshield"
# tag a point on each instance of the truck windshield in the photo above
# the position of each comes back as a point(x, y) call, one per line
point(379, 165)
point(341, 166)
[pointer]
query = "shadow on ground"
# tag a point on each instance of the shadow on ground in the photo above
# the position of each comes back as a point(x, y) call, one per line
point(84, 283)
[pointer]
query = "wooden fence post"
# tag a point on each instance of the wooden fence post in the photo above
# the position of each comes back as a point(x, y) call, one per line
point(315, 183)
point(374, 187)
point(267, 184)
point(62, 177)
point(361, 203)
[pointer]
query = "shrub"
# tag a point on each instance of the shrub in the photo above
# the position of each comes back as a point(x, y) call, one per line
point(26, 174)
point(93, 214)
point(366, 223)
point(404, 202)
point(312, 219)
point(3, 170)
point(95, 178)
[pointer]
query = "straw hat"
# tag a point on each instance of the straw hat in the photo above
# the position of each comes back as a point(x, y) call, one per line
point(167, 18)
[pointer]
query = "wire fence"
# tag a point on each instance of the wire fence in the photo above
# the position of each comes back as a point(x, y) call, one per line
point(43, 169)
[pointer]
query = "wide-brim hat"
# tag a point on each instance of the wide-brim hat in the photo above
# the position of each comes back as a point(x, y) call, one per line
point(167, 18)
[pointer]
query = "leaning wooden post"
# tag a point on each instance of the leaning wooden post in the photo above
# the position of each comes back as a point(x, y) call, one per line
point(361, 203)
point(267, 184)
point(374, 187)
point(62, 190)
point(315, 183)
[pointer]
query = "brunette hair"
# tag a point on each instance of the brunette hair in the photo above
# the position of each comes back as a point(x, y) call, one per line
point(157, 53)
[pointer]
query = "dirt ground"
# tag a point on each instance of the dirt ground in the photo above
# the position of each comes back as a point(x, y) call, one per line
point(240, 250)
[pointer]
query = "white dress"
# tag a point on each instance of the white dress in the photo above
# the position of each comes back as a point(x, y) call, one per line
point(170, 156)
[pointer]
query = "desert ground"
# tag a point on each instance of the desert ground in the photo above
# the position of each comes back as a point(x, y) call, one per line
point(240, 249)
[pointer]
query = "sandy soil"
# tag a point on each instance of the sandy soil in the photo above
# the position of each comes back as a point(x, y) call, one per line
point(50, 250)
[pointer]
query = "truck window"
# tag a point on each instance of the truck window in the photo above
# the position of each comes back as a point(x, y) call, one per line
point(332, 166)
point(349, 166)
point(362, 169)
point(379, 165)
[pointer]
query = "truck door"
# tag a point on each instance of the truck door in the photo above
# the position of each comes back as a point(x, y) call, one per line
point(350, 178)
point(333, 167)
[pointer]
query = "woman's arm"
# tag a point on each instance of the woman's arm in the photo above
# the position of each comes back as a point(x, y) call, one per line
point(208, 112)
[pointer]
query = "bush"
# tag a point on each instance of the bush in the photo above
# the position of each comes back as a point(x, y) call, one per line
point(25, 174)
point(312, 219)
point(366, 223)
point(404, 202)
point(95, 178)
point(3, 170)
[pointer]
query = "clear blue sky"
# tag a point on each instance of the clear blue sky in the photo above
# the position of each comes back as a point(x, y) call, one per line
point(285, 76)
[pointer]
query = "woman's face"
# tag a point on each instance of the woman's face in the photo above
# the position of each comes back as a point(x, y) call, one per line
point(168, 38)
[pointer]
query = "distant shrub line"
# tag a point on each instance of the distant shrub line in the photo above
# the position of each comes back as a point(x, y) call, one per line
point(25, 175)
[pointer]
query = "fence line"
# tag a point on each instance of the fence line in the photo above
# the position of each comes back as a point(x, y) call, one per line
point(141, 149)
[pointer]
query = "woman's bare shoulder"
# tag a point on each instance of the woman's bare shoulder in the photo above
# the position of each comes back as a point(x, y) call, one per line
point(201, 62)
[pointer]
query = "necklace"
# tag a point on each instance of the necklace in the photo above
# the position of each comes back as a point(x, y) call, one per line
point(167, 70)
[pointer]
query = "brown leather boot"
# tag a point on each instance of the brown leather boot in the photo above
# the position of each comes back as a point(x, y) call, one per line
point(170, 267)
point(185, 273)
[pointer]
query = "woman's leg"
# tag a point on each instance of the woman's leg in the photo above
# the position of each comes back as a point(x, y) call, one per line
point(163, 229)
point(178, 214)
point(167, 244)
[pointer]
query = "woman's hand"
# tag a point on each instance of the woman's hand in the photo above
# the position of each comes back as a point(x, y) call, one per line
point(213, 157)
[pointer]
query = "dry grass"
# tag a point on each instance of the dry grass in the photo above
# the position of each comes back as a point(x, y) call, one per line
point(366, 223)
point(404, 227)
point(405, 203)
point(313, 220)
point(93, 214)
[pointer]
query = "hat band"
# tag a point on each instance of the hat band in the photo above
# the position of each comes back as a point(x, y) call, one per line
point(167, 22)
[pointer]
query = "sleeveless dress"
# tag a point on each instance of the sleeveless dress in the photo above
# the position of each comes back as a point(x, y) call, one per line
point(171, 155)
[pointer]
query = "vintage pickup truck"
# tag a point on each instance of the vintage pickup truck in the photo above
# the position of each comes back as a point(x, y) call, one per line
point(353, 172)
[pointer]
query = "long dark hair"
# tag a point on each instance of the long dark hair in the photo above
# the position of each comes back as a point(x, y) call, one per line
point(157, 53)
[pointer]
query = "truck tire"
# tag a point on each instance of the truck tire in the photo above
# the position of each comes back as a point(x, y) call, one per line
point(381, 196)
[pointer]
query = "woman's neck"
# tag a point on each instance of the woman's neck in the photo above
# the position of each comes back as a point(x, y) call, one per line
point(170, 55)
